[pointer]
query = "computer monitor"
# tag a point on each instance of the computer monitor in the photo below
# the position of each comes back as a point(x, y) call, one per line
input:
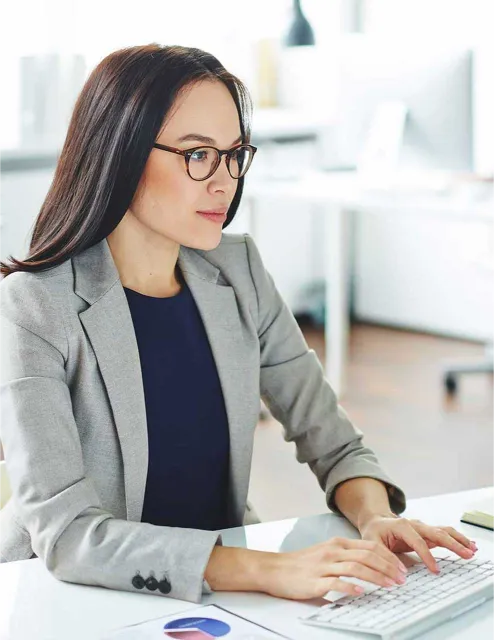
point(433, 82)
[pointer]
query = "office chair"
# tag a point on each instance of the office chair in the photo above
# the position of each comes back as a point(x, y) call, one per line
point(5, 491)
point(486, 365)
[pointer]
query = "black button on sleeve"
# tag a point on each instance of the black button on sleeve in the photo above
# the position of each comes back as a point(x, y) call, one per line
point(138, 582)
point(151, 583)
point(165, 586)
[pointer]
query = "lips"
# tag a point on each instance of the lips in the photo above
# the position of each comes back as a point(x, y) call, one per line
point(217, 218)
point(219, 211)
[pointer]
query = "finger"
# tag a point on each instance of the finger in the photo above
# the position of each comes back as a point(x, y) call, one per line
point(415, 541)
point(376, 547)
point(335, 584)
point(444, 539)
point(408, 559)
point(374, 561)
point(466, 542)
point(356, 570)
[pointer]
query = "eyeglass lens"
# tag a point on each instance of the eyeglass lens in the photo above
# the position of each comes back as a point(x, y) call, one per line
point(204, 161)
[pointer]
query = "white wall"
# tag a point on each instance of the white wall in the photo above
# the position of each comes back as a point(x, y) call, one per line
point(470, 19)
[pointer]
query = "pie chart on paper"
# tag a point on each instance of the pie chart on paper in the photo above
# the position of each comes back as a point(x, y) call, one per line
point(196, 629)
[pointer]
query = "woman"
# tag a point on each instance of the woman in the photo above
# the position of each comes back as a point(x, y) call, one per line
point(137, 340)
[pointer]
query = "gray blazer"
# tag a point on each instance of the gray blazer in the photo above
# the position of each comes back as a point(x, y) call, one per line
point(74, 420)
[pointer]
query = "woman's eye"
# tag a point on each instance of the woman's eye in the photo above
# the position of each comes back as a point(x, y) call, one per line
point(199, 156)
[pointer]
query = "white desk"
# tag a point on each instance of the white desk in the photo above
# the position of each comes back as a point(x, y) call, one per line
point(341, 194)
point(33, 604)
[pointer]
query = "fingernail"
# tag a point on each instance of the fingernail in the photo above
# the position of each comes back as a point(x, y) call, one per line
point(402, 567)
point(389, 582)
point(359, 589)
point(474, 546)
point(401, 580)
point(469, 553)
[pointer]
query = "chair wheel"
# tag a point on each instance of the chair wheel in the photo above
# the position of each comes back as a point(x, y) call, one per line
point(450, 383)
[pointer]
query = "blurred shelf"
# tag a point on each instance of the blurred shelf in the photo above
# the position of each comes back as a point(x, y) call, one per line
point(280, 124)
point(16, 160)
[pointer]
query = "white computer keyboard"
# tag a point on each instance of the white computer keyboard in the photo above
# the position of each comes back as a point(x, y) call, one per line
point(384, 608)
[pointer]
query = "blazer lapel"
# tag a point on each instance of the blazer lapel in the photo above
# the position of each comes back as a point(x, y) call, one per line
point(109, 327)
point(237, 362)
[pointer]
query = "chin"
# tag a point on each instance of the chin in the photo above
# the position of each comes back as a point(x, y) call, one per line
point(205, 243)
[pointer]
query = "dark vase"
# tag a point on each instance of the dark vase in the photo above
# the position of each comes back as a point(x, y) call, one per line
point(300, 32)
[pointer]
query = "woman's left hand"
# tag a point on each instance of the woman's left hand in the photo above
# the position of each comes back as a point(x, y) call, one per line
point(400, 535)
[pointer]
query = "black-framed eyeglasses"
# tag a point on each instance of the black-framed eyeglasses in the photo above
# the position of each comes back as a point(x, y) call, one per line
point(202, 162)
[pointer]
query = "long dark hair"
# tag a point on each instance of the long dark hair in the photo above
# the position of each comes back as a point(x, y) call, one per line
point(116, 119)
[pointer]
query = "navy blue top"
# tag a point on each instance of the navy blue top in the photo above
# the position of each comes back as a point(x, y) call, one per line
point(188, 435)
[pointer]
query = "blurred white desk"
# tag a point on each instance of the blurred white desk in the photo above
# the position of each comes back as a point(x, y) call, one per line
point(33, 604)
point(341, 194)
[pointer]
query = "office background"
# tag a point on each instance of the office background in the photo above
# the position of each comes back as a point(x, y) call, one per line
point(399, 93)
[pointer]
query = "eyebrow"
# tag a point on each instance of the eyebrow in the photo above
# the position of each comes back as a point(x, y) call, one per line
point(204, 139)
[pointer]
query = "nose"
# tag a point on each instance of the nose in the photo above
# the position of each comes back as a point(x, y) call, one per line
point(221, 178)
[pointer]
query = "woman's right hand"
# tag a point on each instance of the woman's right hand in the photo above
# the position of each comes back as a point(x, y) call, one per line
point(312, 572)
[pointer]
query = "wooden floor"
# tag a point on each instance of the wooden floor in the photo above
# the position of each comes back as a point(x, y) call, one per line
point(427, 443)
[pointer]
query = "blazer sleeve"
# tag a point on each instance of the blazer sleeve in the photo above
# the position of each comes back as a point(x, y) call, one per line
point(298, 395)
point(77, 539)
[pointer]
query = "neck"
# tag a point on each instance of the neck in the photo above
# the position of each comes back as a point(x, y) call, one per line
point(146, 262)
